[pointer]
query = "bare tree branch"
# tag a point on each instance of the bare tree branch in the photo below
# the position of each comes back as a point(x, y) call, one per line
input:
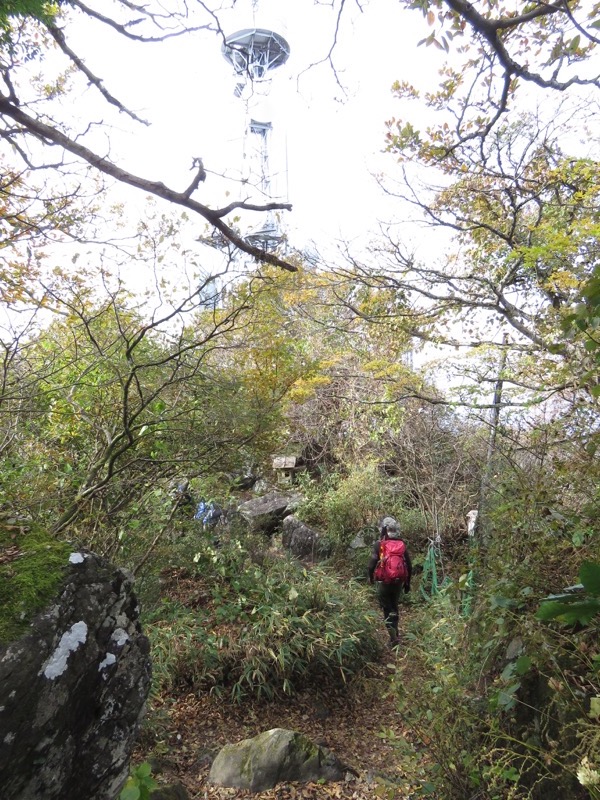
point(59, 38)
point(48, 134)
point(124, 29)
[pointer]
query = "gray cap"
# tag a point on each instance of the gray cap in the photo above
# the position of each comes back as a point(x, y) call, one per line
point(391, 527)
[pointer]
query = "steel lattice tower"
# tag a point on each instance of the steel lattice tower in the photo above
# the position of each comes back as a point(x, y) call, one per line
point(254, 53)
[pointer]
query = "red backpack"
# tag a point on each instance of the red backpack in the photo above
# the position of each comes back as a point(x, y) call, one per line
point(391, 567)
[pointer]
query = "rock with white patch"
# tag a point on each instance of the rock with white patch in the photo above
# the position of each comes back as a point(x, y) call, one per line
point(72, 690)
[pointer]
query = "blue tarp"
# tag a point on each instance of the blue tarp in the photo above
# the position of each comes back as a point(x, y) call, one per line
point(208, 514)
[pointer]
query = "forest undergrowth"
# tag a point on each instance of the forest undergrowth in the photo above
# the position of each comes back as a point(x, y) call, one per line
point(482, 701)
point(359, 720)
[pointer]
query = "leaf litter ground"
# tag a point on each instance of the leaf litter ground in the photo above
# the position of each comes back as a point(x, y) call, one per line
point(361, 725)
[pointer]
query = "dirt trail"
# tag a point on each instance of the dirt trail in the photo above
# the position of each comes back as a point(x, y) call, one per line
point(190, 730)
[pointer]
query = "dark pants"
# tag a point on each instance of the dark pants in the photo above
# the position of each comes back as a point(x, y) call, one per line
point(388, 595)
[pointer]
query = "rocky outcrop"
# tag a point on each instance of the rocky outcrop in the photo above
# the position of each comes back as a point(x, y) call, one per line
point(267, 512)
point(302, 541)
point(72, 690)
point(276, 756)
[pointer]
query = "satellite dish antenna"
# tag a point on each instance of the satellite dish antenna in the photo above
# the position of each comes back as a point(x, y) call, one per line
point(255, 52)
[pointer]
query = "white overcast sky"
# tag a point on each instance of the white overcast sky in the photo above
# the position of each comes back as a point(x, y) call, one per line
point(334, 140)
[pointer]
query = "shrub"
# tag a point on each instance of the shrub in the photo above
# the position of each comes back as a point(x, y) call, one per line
point(267, 630)
point(505, 702)
point(434, 699)
point(344, 506)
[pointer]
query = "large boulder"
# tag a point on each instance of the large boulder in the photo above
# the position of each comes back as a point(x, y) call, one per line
point(302, 541)
point(276, 756)
point(267, 512)
point(72, 690)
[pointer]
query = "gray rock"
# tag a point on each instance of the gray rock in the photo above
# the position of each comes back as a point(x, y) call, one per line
point(358, 543)
point(303, 541)
point(175, 791)
point(514, 649)
point(72, 691)
point(276, 756)
point(266, 513)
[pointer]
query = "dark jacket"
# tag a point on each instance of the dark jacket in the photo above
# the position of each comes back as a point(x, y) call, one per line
point(375, 558)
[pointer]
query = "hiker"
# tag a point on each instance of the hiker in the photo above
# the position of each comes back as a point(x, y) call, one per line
point(391, 569)
point(181, 495)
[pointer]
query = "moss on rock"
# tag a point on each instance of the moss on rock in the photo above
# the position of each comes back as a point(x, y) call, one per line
point(32, 566)
point(275, 756)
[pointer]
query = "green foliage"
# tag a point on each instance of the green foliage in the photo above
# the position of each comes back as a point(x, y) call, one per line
point(433, 699)
point(525, 212)
point(139, 784)
point(264, 629)
point(572, 607)
point(30, 575)
point(106, 402)
point(584, 319)
point(554, 507)
point(344, 505)
point(39, 9)
point(500, 696)
point(500, 720)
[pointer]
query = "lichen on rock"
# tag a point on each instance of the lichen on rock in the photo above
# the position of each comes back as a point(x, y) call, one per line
point(73, 688)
